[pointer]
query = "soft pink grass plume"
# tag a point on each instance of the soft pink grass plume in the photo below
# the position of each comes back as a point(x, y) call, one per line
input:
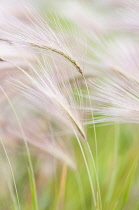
point(36, 34)
point(46, 88)
point(115, 95)
point(38, 131)
point(43, 83)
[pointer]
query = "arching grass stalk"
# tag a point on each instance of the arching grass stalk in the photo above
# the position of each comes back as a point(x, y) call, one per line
point(96, 175)
point(35, 204)
point(94, 127)
point(12, 173)
point(129, 178)
point(68, 57)
point(88, 146)
point(88, 171)
point(13, 196)
point(115, 161)
point(45, 47)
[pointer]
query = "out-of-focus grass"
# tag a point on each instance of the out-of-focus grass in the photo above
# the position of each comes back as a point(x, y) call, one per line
point(117, 173)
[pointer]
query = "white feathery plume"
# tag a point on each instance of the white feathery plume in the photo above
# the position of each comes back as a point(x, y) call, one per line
point(37, 34)
point(115, 95)
point(45, 87)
